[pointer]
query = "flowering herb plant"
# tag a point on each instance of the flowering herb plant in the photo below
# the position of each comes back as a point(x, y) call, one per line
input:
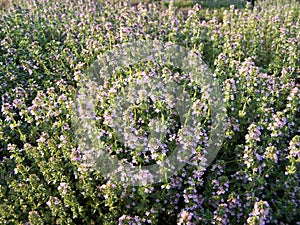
point(46, 47)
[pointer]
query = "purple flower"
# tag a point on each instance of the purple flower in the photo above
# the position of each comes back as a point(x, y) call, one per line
point(260, 213)
point(254, 133)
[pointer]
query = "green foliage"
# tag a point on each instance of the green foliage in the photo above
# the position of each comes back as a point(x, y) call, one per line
point(45, 47)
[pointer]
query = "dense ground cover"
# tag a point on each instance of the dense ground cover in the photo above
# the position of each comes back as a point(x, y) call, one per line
point(46, 46)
